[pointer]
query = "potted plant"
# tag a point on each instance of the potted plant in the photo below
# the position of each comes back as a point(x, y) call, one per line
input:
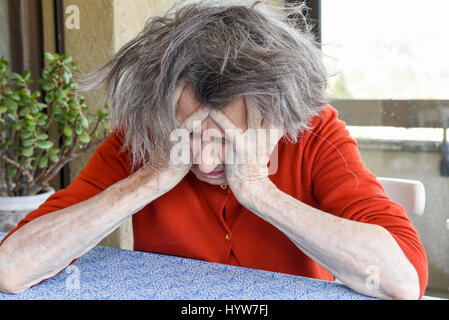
point(40, 132)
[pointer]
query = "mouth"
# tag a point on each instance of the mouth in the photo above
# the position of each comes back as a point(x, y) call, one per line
point(214, 174)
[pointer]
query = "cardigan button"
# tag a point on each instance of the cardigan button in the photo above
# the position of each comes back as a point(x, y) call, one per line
point(228, 236)
point(223, 186)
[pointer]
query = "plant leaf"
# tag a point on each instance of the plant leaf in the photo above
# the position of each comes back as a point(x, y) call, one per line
point(53, 155)
point(16, 96)
point(78, 129)
point(84, 121)
point(25, 134)
point(26, 75)
point(47, 86)
point(42, 136)
point(25, 111)
point(35, 94)
point(12, 173)
point(102, 115)
point(41, 105)
point(10, 103)
point(66, 78)
point(67, 131)
point(68, 141)
point(44, 145)
point(43, 161)
point(28, 152)
point(84, 137)
point(67, 58)
point(28, 142)
point(48, 56)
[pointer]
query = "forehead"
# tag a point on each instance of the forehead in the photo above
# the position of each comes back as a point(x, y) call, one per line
point(187, 105)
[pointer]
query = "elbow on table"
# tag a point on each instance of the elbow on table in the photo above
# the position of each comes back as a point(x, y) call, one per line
point(406, 290)
point(409, 287)
point(401, 278)
point(8, 283)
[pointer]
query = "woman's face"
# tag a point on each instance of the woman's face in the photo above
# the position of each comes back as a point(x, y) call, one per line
point(209, 165)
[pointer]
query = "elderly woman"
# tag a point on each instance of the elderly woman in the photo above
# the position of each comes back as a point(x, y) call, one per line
point(304, 205)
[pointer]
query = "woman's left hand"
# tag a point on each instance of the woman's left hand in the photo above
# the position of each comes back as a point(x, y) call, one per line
point(247, 153)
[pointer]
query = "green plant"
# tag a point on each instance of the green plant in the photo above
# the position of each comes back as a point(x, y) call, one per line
point(42, 130)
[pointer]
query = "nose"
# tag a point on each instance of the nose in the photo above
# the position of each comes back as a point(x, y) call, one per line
point(210, 157)
point(207, 146)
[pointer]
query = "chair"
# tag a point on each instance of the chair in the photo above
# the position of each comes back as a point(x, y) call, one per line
point(410, 194)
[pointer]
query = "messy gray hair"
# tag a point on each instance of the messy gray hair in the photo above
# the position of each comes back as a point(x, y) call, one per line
point(223, 50)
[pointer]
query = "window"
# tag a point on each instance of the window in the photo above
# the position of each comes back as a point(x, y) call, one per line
point(386, 49)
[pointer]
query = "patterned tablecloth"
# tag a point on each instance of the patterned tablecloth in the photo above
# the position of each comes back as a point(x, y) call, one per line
point(107, 273)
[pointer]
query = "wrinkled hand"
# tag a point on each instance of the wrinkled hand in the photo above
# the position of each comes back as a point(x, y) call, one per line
point(248, 153)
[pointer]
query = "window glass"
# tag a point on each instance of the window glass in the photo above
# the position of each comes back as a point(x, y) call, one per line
point(386, 49)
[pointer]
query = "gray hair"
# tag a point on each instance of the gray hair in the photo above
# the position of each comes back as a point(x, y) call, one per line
point(223, 50)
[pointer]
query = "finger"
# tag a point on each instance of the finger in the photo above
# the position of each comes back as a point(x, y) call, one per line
point(222, 120)
point(195, 119)
point(267, 124)
point(276, 133)
point(253, 114)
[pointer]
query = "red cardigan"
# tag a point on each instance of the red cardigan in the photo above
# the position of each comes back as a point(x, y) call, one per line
point(202, 221)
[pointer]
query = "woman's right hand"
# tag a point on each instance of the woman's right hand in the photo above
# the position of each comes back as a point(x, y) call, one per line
point(167, 178)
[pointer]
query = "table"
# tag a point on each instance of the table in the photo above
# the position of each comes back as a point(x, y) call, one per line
point(108, 273)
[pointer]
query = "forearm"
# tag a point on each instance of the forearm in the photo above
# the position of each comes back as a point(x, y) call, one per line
point(46, 245)
point(350, 250)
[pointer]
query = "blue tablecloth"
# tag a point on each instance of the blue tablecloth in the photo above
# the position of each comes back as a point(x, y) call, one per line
point(107, 273)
